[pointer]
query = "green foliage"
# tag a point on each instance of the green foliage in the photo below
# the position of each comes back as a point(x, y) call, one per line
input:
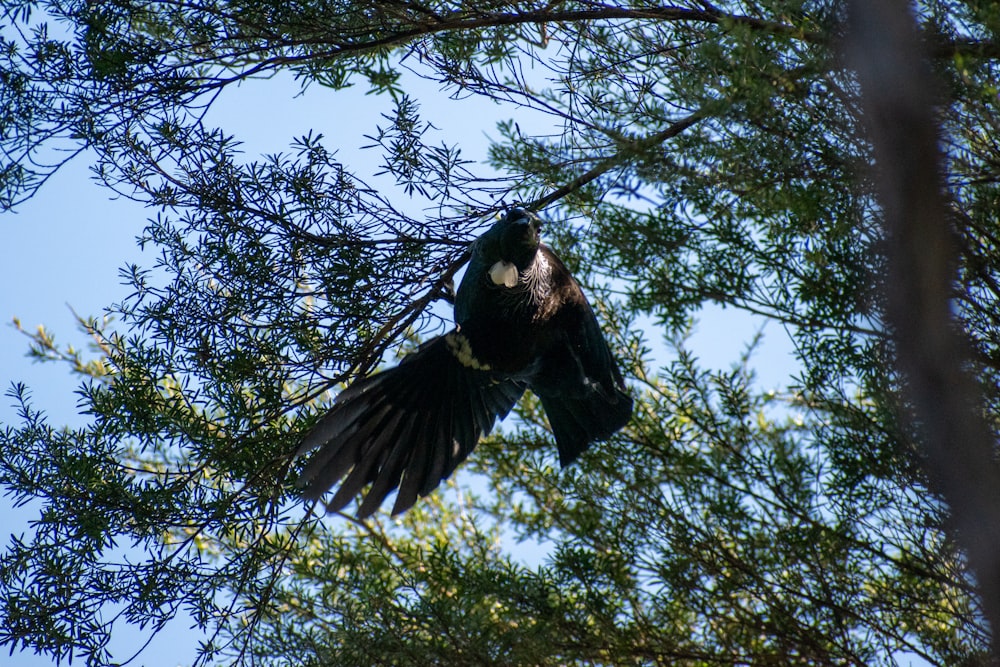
point(708, 154)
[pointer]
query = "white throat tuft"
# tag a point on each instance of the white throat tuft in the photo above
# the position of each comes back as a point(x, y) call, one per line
point(504, 273)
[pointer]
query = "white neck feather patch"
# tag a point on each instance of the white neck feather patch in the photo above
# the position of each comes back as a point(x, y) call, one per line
point(504, 273)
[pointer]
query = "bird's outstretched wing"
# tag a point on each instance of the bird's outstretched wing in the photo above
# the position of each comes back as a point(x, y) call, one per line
point(577, 379)
point(580, 419)
point(406, 427)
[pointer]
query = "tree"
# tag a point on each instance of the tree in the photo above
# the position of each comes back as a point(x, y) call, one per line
point(708, 154)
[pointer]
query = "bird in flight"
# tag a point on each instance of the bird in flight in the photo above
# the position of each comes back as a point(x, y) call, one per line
point(521, 322)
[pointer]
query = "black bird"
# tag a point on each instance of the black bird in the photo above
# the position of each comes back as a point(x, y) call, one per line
point(522, 323)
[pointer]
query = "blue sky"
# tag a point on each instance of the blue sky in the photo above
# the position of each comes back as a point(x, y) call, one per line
point(63, 249)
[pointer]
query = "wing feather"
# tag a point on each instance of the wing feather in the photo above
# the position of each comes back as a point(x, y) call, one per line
point(406, 428)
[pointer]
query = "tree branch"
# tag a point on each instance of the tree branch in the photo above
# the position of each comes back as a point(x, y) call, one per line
point(943, 401)
point(619, 158)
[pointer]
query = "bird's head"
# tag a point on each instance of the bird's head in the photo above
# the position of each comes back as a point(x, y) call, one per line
point(519, 237)
point(509, 246)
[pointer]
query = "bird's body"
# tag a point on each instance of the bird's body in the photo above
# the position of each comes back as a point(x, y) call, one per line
point(522, 322)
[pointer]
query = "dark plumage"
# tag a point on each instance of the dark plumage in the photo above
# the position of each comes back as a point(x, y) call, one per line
point(522, 323)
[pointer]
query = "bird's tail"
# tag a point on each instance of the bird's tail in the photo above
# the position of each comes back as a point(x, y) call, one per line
point(579, 420)
point(406, 427)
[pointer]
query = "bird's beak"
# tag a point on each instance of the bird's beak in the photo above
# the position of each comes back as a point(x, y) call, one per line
point(532, 221)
